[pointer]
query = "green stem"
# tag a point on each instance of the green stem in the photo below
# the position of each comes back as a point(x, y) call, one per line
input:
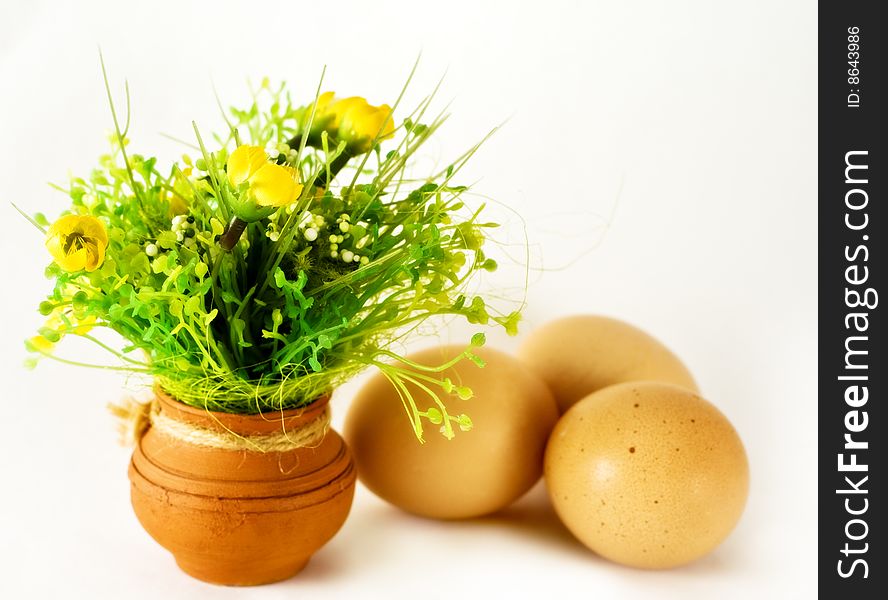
point(80, 364)
point(335, 167)
point(119, 355)
point(406, 398)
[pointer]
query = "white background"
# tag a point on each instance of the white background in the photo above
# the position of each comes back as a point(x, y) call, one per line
point(662, 155)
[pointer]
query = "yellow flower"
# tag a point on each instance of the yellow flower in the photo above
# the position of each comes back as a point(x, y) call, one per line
point(352, 119)
point(359, 123)
point(270, 184)
point(77, 242)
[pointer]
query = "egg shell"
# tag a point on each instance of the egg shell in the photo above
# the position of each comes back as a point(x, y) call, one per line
point(478, 471)
point(647, 474)
point(579, 355)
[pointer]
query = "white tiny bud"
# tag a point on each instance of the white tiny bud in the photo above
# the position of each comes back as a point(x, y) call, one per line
point(347, 255)
point(334, 253)
point(180, 236)
point(343, 227)
point(151, 250)
point(272, 153)
point(311, 234)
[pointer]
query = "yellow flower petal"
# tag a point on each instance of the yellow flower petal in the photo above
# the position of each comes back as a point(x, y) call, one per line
point(244, 162)
point(95, 256)
point(385, 115)
point(324, 103)
point(92, 228)
point(342, 107)
point(41, 344)
point(323, 117)
point(362, 123)
point(64, 225)
point(275, 185)
point(74, 261)
point(54, 245)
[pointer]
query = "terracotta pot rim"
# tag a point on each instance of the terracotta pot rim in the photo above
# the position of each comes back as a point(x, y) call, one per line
point(285, 502)
point(241, 423)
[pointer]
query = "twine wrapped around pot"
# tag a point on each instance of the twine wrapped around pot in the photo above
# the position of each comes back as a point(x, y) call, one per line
point(136, 417)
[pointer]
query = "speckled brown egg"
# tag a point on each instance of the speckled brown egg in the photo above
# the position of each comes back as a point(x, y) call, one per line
point(579, 355)
point(647, 474)
point(478, 471)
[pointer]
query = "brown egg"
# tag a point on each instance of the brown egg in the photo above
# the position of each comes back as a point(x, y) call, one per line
point(647, 474)
point(478, 471)
point(579, 355)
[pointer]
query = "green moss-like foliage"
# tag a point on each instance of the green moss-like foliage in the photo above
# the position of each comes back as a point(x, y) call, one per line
point(284, 317)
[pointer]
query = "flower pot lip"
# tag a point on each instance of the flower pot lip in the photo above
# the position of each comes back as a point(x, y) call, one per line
point(241, 424)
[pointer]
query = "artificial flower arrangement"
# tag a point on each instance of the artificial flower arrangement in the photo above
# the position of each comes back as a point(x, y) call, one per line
point(249, 282)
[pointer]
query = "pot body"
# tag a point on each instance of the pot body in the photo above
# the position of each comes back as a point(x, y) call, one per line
point(241, 517)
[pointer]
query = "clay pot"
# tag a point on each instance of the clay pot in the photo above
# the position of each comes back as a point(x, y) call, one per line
point(241, 517)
